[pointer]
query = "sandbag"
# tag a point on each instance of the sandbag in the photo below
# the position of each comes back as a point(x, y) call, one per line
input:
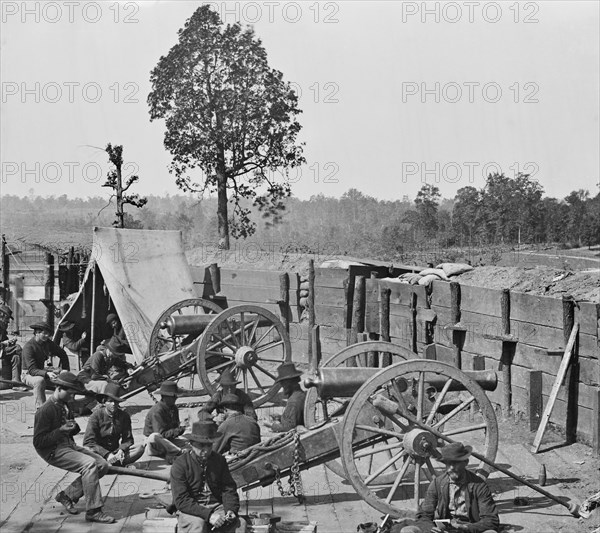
point(454, 269)
point(436, 272)
point(428, 280)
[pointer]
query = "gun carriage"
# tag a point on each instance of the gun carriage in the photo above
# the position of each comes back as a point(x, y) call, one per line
point(197, 337)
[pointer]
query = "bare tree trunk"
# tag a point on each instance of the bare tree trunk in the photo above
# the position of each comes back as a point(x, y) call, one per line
point(119, 191)
point(222, 219)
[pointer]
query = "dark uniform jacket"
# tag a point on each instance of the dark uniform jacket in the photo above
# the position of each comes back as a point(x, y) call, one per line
point(48, 418)
point(238, 432)
point(105, 434)
point(216, 398)
point(164, 420)
point(480, 504)
point(187, 481)
point(98, 366)
point(8, 350)
point(293, 414)
point(36, 353)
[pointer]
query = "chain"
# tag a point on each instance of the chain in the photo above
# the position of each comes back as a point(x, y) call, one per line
point(295, 482)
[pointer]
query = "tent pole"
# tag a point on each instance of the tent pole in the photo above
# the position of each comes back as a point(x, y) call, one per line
point(93, 314)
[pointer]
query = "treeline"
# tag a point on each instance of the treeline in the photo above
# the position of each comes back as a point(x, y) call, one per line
point(504, 212)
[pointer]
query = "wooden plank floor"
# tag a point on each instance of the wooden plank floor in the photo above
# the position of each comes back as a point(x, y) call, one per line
point(28, 486)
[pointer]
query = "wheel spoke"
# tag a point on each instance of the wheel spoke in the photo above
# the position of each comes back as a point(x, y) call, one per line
point(417, 484)
point(466, 429)
point(401, 402)
point(251, 370)
point(426, 472)
point(268, 360)
point(384, 467)
point(438, 401)
point(243, 329)
point(265, 372)
point(372, 451)
point(403, 469)
point(222, 365)
point(233, 337)
point(263, 336)
point(420, 394)
point(266, 347)
point(380, 431)
point(253, 332)
point(430, 468)
point(245, 379)
point(455, 411)
point(220, 354)
point(222, 340)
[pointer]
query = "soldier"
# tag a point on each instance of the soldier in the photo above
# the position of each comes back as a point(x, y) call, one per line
point(293, 414)
point(203, 490)
point(162, 427)
point(36, 352)
point(238, 431)
point(227, 385)
point(10, 350)
point(74, 340)
point(108, 432)
point(117, 332)
point(54, 428)
point(107, 364)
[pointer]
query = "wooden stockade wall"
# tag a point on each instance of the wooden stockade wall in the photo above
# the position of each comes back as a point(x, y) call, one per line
point(522, 339)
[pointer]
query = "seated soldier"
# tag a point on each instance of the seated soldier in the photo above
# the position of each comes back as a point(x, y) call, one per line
point(238, 431)
point(293, 414)
point(108, 431)
point(117, 334)
point(74, 340)
point(107, 364)
point(457, 495)
point(36, 352)
point(204, 492)
point(227, 385)
point(162, 427)
point(9, 349)
point(54, 428)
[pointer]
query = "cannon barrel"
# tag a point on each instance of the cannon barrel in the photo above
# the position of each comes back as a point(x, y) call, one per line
point(343, 382)
point(196, 324)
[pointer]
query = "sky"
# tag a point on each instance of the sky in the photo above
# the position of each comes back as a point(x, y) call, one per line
point(394, 94)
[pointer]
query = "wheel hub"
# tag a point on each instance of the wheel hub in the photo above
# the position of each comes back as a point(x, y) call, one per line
point(420, 442)
point(245, 357)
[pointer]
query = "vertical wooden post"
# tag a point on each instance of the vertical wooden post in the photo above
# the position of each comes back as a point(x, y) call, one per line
point(507, 353)
point(413, 322)
point(572, 377)
point(311, 307)
point(358, 309)
point(535, 403)
point(5, 272)
point(49, 290)
point(284, 299)
point(384, 321)
point(596, 422)
point(215, 277)
point(455, 319)
point(372, 360)
point(82, 287)
point(70, 270)
point(93, 314)
point(429, 337)
point(315, 360)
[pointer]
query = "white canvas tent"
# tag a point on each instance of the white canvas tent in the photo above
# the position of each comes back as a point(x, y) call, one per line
point(136, 274)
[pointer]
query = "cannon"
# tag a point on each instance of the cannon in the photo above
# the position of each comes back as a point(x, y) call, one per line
point(197, 337)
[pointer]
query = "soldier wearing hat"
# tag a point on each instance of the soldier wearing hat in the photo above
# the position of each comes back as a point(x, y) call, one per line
point(36, 352)
point(227, 385)
point(117, 333)
point(293, 414)
point(457, 495)
point(238, 431)
point(108, 431)
point(204, 492)
point(162, 426)
point(107, 364)
point(54, 428)
point(10, 350)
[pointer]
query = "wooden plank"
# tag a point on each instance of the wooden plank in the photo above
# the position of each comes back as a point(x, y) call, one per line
point(587, 315)
point(330, 316)
point(559, 378)
point(251, 294)
point(253, 278)
point(535, 309)
point(480, 300)
point(333, 297)
point(330, 277)
point(596, 423)
point(440, 294)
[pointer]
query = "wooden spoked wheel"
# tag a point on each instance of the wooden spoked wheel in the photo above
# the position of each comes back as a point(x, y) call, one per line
point(376, 354)
point(390, 460)
point(251, 342)
point(162, 341)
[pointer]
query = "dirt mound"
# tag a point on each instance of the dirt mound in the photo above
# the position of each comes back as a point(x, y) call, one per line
point(545, 281)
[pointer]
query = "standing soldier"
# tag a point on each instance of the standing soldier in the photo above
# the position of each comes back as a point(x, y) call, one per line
point(36, 352)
